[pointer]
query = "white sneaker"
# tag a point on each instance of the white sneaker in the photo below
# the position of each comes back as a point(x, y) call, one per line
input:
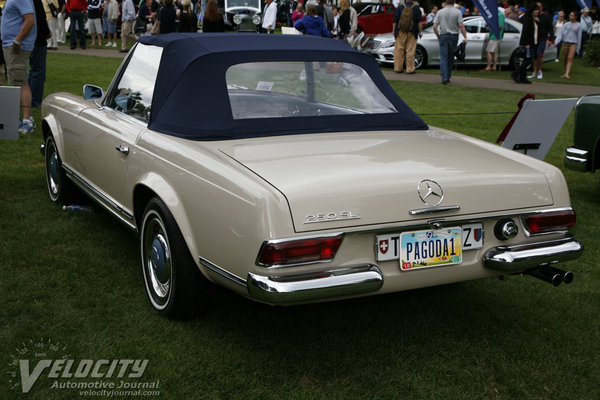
point(114, 44)
point(108, 44)
point(539, 75)
point(26, 126)
point(532, 76)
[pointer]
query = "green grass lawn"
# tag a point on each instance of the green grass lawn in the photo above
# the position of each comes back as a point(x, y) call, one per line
point(73, 279)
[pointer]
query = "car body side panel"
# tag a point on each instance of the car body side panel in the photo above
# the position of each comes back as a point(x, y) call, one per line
point(223, 211)
point(64, 109)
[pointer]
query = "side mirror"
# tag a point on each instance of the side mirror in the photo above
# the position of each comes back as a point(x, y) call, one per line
point(91, 92)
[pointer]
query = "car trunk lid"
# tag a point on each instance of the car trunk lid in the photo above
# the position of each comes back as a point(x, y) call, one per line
point(344, 179)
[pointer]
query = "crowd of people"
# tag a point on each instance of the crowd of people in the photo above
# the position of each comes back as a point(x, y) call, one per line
point(540, 29)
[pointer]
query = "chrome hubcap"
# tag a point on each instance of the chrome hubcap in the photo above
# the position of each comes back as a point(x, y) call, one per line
point(52, 170)
point(157, 256)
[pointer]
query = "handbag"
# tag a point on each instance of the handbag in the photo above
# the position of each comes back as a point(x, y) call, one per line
point(139, 26)
point(53, 9)
point(155, 28)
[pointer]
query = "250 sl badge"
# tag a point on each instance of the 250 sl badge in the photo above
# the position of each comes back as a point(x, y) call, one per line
point(330, 217)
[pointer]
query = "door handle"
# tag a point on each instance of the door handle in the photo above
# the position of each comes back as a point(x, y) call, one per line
point(122, 149)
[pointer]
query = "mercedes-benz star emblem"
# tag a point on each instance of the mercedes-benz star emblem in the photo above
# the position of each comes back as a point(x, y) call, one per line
point(430, 192)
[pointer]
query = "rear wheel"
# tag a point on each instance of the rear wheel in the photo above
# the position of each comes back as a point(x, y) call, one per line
point(174, 284)
point(517, 58)
point(420, 58)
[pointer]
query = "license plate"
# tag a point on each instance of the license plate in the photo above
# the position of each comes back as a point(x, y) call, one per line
point(429, 248)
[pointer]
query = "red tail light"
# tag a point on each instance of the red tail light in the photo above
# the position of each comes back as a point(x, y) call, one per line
point(550, 221)
point(299, 251)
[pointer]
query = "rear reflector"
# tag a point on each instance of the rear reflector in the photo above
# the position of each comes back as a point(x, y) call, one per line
point(299, 251)
point(550, 222)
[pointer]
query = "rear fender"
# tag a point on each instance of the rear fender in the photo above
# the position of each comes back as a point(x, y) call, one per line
point(148, 187)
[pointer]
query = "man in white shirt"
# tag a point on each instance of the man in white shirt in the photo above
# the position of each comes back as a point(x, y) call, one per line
point(270, 17)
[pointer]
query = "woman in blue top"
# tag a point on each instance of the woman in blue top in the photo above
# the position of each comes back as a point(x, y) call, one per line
point(311, 23)
point(570, 36)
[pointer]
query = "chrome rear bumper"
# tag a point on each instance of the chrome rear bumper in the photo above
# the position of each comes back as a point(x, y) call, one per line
point(576, 159)
point(523, 257)
point(309, 287)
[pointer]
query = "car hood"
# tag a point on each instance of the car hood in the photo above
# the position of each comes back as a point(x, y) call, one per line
point(356, 179)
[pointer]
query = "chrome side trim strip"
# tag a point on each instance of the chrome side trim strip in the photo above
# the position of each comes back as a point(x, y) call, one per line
point(222, 272)
point(101, 198)
point(431, 210)
point(315, 286)
point(526, 256)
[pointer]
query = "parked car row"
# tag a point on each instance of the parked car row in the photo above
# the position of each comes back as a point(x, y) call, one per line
point(382, 46)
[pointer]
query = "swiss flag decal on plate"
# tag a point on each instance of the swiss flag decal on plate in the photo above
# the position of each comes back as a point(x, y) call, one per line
point(384, 245)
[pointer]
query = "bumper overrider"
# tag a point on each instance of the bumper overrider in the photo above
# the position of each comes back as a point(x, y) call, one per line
point(536, 259)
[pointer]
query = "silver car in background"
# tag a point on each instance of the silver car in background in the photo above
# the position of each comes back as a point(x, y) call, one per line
point(428, 53)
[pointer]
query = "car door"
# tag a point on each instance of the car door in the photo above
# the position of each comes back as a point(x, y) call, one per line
point(475, 50)
point(510, 41)
point(113, 128)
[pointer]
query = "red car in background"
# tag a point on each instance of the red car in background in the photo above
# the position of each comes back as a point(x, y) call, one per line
point(374, 18)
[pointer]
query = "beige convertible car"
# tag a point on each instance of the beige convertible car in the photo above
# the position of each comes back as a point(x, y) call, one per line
point(286, 169)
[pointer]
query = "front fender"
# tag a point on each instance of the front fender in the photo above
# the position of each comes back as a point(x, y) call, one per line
point(51, 126)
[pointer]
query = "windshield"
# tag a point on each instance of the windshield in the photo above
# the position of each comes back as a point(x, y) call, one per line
point(242, 3)
point(302, 89)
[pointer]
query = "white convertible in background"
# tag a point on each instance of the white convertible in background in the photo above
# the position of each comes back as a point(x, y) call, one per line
point(286, 169)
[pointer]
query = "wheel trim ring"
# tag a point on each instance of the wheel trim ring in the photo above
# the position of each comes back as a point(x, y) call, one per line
point(159, 288)
point(52, 170)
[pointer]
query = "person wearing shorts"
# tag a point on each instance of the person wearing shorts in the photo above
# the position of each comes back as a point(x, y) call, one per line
point(94, 21)
point(110, 17)
point(18, 39)
point(545, 36)
point(493, 46)
point(570, 36)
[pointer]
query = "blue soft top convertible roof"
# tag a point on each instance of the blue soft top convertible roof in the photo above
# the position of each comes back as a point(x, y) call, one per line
point(190, 97)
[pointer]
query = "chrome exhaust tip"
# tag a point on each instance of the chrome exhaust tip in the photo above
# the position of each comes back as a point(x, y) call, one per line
point(547, 275)
point(567, 276)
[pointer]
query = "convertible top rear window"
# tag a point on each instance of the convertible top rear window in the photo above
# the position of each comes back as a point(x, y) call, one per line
point(269, 85)
point(302, 89)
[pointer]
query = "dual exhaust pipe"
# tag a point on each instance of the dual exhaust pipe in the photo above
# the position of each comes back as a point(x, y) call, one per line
point(552, 275)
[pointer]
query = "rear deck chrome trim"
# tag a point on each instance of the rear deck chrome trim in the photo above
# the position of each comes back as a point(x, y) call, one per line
point(432, 210)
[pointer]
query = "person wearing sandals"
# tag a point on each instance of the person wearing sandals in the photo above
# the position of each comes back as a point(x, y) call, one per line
point(493, 46)
point(570, 36)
